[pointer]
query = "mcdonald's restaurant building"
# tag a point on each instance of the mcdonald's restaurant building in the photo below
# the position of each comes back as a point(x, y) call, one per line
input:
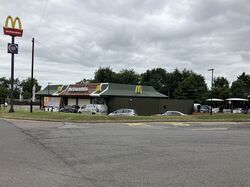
point(144, 99)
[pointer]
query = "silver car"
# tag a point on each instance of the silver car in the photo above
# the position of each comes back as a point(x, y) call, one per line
point(124, 112)
point(93, 109)
point(173, 113)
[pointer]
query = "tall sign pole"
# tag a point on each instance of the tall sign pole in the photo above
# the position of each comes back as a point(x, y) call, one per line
point(12, 47)
point(12, 77)
point(32, 80)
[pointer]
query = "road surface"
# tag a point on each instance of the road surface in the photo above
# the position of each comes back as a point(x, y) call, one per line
point(126, 154)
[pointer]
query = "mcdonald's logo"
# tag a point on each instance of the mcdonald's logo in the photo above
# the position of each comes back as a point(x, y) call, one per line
point(12, 30)
point(59, 89)
point(138, 89)
point(98, 88)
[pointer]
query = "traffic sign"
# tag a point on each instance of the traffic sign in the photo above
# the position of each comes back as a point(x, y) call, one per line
point(12, 48)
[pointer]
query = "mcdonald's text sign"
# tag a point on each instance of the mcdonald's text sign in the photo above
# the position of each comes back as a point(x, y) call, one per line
point(11, 29)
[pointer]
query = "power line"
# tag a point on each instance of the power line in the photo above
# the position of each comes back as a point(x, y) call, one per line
point(42, 15)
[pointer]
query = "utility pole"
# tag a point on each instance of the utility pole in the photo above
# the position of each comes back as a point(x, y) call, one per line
point(32, 79)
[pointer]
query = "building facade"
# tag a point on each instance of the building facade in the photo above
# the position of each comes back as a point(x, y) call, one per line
point(144, 99)
point(77, 94)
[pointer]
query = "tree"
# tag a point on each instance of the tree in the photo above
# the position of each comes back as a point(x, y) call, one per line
point(174, 79)
point(83, 81)
point(4, 89)
point(16, 86)
point(26, 87)
point(127, 76)
point(105, 75)
point(221, 88)
point(157, 78)
point(193, 87)
point(241, 87)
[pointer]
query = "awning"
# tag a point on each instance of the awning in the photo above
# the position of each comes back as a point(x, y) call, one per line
point(236, 99)
point(214, 99)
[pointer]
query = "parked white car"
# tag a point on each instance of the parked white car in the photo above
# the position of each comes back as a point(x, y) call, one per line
point(215, 110)
point(124, 112)
point(173, 113)
point(238, 111)
point(93, 109)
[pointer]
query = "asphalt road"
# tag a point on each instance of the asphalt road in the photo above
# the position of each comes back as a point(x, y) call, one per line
point(131, 154)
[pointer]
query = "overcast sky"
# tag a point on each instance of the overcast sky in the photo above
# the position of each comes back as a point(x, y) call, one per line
point(75, 37)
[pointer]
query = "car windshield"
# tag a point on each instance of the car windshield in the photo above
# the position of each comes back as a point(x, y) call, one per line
point(83, 107)
point(118, 111)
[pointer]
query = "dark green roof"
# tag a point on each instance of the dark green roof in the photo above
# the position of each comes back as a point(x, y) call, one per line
point(126, 90)
point(50, 89)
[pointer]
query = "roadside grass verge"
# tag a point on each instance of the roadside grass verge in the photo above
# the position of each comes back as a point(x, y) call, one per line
point(69, 117)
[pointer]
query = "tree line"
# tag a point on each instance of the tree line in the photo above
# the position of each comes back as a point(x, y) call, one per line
point(20, 87)
point(178, 84)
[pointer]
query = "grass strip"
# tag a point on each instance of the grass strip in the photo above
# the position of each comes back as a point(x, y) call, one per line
point(71, 117)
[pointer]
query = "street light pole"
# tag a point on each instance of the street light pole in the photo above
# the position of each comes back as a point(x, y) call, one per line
point(212, 85)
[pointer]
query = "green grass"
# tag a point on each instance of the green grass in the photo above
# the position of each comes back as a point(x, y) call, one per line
point(56, 116)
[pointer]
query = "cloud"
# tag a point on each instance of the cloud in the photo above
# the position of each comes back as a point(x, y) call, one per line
point(73, 38)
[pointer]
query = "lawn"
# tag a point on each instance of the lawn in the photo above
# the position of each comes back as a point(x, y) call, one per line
point(69, 117)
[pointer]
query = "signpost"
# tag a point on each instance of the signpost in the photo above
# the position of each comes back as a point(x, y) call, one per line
point(12, 47)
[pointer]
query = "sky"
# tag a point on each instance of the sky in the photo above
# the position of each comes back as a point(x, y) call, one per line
point(73, 38)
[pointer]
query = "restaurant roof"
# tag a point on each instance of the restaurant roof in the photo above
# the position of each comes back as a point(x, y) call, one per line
point(114, 89)
point(79, 89)
point(51, 90)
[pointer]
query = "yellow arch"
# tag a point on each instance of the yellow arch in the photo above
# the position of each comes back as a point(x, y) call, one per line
point(59, 88)
point(7, 21)
point(98, 88)
point(13, 22)
point(17, 19)
point(138, 89)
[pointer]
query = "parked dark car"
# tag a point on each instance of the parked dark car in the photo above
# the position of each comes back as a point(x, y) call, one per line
point(70, 109)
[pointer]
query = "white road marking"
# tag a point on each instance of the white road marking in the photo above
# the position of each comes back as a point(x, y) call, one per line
point(210, 129)
point(178, 124)
point(138, 125)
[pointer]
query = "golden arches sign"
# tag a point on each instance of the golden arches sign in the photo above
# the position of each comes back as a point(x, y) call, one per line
point(12, 30)
point(138, 89)
point(59, 89)
point(98, 88)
